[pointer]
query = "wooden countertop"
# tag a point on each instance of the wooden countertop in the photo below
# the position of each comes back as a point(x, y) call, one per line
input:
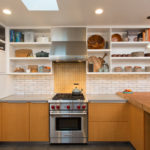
point(139, 99)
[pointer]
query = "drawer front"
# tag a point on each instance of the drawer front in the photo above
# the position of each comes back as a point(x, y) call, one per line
point(108, 131)
point(108, 112)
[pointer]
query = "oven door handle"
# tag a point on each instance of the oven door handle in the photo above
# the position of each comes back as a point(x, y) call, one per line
point(58, 114)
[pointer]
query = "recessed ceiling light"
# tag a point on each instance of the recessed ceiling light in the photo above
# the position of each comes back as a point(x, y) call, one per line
point(98, 11)
point(6, 11)
point(41, 5)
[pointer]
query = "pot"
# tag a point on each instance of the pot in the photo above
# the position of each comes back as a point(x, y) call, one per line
point(42, 54)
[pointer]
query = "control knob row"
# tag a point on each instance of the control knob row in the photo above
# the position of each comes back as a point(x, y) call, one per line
point(53, 107)
point(78, 107)
point(68, 107)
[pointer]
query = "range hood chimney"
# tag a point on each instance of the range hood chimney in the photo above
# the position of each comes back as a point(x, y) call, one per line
point(68, 44)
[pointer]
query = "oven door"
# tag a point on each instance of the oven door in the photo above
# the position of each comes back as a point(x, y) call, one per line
point(68, 125)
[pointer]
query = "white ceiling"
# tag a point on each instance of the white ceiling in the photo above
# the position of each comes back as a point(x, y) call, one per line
point(79, 13)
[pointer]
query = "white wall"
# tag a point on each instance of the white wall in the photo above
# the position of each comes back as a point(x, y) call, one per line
point(6, 85)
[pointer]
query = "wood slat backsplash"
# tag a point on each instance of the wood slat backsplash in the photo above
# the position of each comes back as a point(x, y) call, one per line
point(66, 74)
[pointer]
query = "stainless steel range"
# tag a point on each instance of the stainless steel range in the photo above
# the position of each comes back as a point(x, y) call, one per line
point(68, 119)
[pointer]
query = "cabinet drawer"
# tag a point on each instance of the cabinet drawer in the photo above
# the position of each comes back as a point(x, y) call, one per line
point(108, 131)
point(108, 112)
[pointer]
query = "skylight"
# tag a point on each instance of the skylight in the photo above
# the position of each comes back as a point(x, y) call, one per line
point(41, 5)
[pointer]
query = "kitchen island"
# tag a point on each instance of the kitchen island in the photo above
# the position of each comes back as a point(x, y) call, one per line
point(139, 119)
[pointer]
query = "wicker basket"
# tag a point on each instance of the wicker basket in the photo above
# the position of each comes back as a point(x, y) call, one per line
point(23, 53)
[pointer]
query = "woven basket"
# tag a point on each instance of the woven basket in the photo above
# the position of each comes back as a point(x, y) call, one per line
point(23, 53)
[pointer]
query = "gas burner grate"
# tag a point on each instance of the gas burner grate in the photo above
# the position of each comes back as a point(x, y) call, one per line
point(68, 96)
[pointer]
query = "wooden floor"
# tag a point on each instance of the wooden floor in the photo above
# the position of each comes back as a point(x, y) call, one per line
point(43, 146)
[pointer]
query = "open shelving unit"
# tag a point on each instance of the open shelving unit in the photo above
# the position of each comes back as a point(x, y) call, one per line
point(123, 47)
point(14, 62)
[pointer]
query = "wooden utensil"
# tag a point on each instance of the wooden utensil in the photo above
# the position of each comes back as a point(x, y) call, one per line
point(97, 62)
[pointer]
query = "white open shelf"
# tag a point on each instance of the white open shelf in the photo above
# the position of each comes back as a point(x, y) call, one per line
point(98, 50)
point(29, 58)
point(104, 73)
point(18, 73)
point(130, 43)
point(97, 73)
point(130, 58)
point(29, 43)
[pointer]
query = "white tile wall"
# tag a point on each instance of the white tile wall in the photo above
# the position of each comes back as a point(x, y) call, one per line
point(96, 84)
point(34, 85)
point(110, 84)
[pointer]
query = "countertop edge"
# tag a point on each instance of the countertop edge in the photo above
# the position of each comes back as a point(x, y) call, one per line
point(107, 101)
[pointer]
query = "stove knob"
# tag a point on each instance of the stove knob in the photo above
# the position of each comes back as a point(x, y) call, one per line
point(68, 106)
point(58, 107)
point(83, 107)
point(52, 107)
point(78, 107)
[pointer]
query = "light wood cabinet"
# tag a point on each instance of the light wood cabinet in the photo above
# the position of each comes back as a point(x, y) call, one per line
point(147, 131)
point(39, 122)
point(108, 112)
point(108, 131)
point(108, 122)
point(15, 121)
point(136, 123)
point(0, 121)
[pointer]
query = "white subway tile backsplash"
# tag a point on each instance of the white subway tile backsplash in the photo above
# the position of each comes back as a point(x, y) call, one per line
point(95, 84)
point(34, 85)
point(110, 84)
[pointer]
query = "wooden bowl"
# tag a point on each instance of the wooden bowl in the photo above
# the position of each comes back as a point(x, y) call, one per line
point(116, 38)
point(96, 42)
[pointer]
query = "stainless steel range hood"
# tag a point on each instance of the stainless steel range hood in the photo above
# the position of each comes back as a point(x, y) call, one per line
point(68, 44)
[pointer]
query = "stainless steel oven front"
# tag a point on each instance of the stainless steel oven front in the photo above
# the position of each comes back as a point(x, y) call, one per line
point(68, 127)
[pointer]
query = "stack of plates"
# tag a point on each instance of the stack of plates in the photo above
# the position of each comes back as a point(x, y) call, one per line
point(137, 54)
point(147, 69)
